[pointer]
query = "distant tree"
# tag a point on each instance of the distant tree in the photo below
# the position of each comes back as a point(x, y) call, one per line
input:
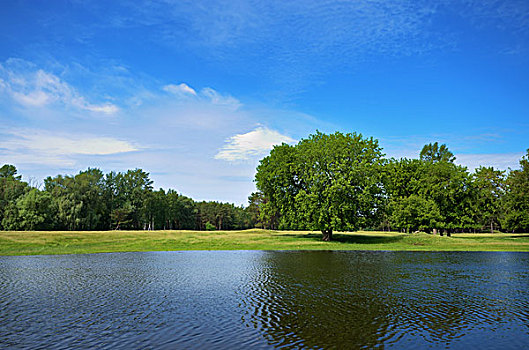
point(129, 191)
point(490, 187)
point(121, 216)
point(79, 199)
point(432, 152)
point(415, 213)
point(182, 211)
point(449, 186)
point(35, 211)
point(256, 201)
point(11, 188)
point(326, 182)
point(9, 171)
point(156, 210)
point(516, 199)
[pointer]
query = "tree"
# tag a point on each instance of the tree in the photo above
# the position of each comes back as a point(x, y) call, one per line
point(432, 152)
point(129, 191)
point(414, 213)
point(182, 211)
point(325, 182)
point(79, 199)
point(449, 186)
point(35, 211)
point(11, 188)
point(256, 201)
point(490, 187)
point(516, 199)
point(9, 171)
point(121, 216)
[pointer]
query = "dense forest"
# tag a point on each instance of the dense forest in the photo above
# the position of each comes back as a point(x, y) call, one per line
point(325, 182)
point(92, 200)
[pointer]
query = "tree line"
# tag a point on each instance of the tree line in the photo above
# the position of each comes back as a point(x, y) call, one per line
point(92, 200)
point(325, 182)
point(343, 182)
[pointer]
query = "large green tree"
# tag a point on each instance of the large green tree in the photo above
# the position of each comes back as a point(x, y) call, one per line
point(325, 182)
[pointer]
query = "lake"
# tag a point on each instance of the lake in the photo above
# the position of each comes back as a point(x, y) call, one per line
point(263, 299)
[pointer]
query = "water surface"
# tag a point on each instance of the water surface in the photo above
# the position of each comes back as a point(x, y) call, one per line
point(263, 299)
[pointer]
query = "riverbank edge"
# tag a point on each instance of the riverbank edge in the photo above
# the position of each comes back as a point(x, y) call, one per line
point(22, 243)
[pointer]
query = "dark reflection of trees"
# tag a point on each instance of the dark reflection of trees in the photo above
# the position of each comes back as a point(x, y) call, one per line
point(320, 299)
point(356, 299)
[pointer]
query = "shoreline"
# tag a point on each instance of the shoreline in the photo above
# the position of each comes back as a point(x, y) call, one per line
point(13, 243)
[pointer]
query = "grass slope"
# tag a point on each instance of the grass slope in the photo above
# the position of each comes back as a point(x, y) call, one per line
point(77, 242)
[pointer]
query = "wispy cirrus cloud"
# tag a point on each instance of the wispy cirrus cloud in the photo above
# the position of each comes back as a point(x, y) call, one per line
point(180, 89)
point(256, 143)
point(32, 87)
point(206, 94)
point(44, 147)
point(30, 140)
point(501, 161)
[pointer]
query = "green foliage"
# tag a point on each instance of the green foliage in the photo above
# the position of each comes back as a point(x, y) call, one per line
point(432, 152)
point(210, 226)
point(490, 188)
point(121, 216)
point(325, 182)
point(516, 199)
point(415, 213)
point(11, 188)
point(33, 212)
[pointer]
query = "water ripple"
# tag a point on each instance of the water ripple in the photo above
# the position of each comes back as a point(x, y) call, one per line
point(262, 299)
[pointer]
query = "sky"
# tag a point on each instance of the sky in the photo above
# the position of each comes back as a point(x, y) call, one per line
point(197, 92)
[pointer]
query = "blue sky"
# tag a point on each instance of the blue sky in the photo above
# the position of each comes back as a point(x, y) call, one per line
point(197, 92)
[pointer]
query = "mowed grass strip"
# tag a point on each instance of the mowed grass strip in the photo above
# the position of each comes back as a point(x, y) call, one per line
point(81, 242)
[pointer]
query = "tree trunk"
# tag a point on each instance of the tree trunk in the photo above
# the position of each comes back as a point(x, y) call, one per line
point(327, 235)
point(491, 226)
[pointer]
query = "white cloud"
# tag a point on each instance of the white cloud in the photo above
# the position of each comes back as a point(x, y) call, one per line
point(252, 144)
point(107, 108)
point(207, 94)
point(502, 161)
point(37, 88)
point(180, 89)
point(218, 99)
point(38, 142)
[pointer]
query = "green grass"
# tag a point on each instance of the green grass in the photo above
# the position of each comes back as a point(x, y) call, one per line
point(78, 242)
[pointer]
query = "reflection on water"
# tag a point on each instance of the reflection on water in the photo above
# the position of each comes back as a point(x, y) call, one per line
point(235, 299)
point(370, 299)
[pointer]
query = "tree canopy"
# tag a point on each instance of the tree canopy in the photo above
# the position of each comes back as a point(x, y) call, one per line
point(341, 182)
point(325, 182)
point(336, 182)
point(91, 200)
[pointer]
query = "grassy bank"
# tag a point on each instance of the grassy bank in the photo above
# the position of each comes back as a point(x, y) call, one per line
point(75, 242)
